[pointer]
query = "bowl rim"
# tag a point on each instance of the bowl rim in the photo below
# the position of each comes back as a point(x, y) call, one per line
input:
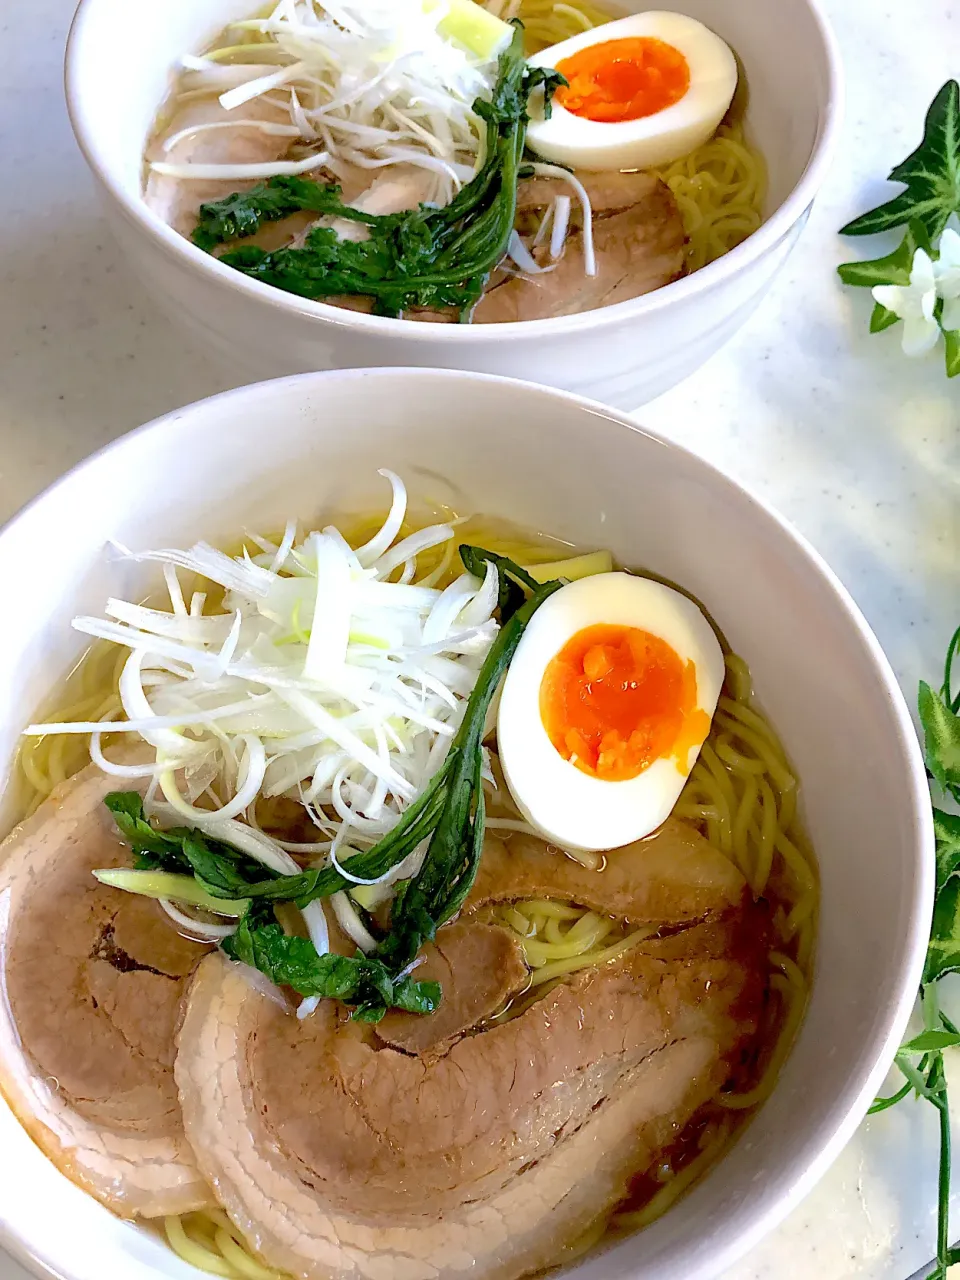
point(739, 259)
point(799, 1180)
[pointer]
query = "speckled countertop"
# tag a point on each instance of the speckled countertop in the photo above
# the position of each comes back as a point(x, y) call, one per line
point(860, 448)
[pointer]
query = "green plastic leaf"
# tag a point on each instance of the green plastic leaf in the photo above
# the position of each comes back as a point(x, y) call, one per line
point(932, 1042)
point(882, 318)
point(952, 342)
point(943, 952)
point(946, 830)
point(931, 175)
point(895, 268)
point(941, 732)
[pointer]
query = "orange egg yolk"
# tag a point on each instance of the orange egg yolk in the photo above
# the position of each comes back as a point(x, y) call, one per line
point(623, 79)
point(615, 699)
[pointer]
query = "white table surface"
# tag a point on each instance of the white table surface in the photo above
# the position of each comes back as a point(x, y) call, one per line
point(856, 445)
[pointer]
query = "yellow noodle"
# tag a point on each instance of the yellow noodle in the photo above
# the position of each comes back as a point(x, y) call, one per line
point(690, 812)
point(789, 967)
point(794, 999)
point(741, 825)
point(714, 766)
point(764, 753)
point(552, 910)
point(237, 1256)
point(658, 1204)
point(560, 968)
point(767, 836)
point(580, 941)
point(738, 762)
point(192, 1251)
point(739, 679)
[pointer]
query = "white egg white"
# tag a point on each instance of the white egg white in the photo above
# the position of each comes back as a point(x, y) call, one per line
point(575, 809)
point(652, 140)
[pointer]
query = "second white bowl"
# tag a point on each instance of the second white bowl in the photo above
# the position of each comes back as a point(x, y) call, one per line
point(623, 354)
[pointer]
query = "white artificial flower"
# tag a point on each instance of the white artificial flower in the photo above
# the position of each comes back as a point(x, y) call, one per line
point(914, 304)
point(946, 274)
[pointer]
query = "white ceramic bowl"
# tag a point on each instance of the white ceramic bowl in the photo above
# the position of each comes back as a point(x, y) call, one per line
point(624, 354)
point(252, 457)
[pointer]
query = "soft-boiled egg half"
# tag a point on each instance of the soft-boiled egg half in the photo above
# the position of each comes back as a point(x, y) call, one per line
point(643, 91)
point(604, 709)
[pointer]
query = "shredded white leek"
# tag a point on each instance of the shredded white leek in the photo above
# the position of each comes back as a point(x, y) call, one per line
point(313, 677)
point(374, 82)
point(555, 171)
point(561, 221)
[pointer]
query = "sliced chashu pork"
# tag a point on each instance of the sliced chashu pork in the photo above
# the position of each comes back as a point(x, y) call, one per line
point(479, 966)
point(178, 200)
point(92, 983)
point(339, 1157)
point(672, 877)
point(638, 239)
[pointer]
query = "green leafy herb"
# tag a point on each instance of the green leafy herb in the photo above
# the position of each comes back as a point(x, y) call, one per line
point(424, 257)
point(449, 813)
point(244, 213)
point(513, 579)
point(221, 869)
point(920, 1059)
point(167, 884)
point(931, 175)
point(357, 980)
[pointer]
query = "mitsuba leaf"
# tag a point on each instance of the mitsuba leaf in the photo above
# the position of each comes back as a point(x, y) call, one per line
point(223, 870)
point(931, 174)
point(941, 732)
point(357, 980)
point(895, 268)
point(515, 582)
point(449, 867)
point(244, 212)
point(152, 849)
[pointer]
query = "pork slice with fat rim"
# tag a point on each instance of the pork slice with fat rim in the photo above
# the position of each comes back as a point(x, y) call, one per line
point(479, 967)
point(92, 982)
point(638, 245)
point(673, 877)
point(338, 1156)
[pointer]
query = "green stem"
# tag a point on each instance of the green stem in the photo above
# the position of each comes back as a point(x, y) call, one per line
point(930, 1007)
point(953, 649)
point(883, 1104)
point(943, 1181)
